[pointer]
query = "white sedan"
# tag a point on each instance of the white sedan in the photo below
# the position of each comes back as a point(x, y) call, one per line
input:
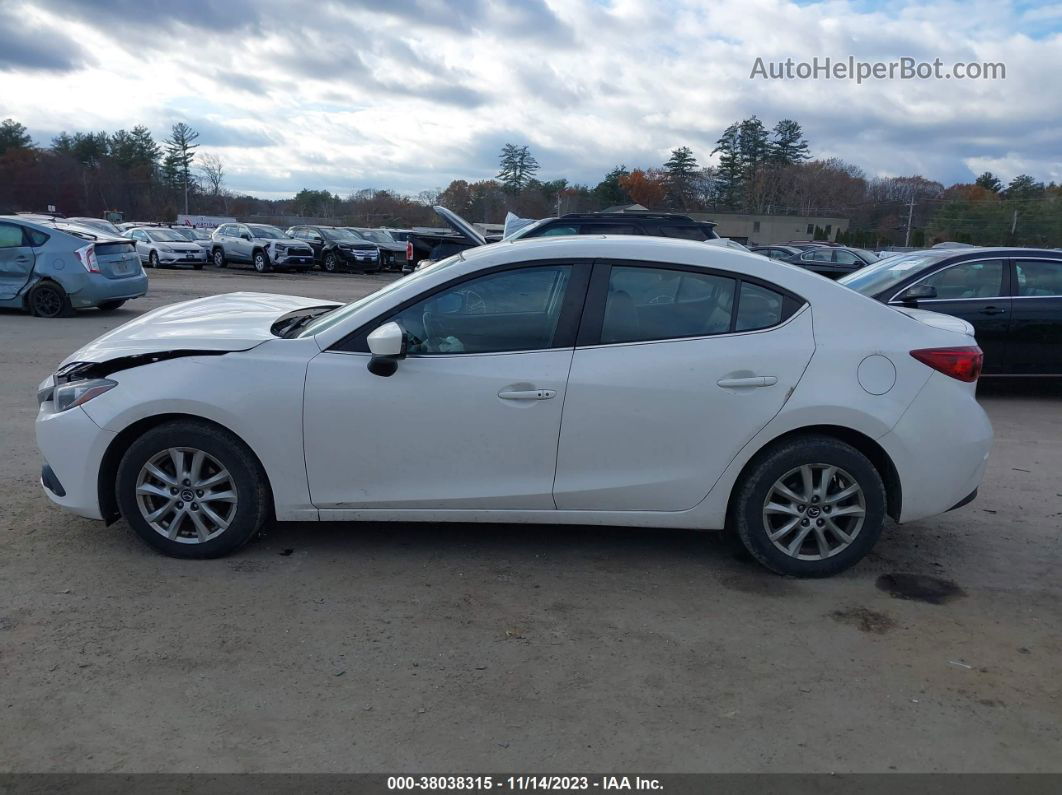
point(595, 380)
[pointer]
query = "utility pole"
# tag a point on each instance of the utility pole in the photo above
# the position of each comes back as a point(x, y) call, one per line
point(910, 215)
point(1013, 223)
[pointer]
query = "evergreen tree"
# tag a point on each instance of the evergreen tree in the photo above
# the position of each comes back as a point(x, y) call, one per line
point(730, 173)
point(789, 146)
point(681, 169)
point(989, 181)
point(13, 136)
point(609, 192)
point(180, 152)
point(518, 166)
point(1024, 187)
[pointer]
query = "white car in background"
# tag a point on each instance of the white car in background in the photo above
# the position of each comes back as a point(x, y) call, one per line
point(159, 246)
point(574, 380)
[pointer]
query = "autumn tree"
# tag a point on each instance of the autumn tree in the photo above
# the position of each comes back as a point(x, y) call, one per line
point(648, 187)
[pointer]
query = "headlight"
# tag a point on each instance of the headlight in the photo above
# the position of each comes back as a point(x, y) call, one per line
point(77, 393)
point(168, 249)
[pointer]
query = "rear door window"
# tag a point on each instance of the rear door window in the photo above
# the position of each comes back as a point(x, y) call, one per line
point(1039, 279)
point(656, 304)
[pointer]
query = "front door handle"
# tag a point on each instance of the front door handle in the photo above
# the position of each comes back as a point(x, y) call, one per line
point(753, 381)
point(993, 310)
point(527, 394)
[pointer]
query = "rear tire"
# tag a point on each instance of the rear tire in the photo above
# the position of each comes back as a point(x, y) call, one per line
point(192, 490)
point(48, 299)
point(110, 306)
point(812, 506)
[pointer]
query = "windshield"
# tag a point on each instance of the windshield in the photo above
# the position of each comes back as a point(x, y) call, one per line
point(186, 234)
point(526, 230)
point(327, 321)
point(201, 234)
point(886, 273)
point(342, 234)
point(164, 236)
point(376, 235)
point(98, 223)
point(266, 232)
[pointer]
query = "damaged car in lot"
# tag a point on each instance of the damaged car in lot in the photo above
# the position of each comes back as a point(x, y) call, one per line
point(52, 267)
point(592, 380)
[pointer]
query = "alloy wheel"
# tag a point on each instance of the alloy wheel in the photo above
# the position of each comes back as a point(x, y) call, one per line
point(47, 302)
point(814, 511)
point(186, 495)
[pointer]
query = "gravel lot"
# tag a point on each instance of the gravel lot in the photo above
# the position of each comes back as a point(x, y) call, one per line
point(325, 647)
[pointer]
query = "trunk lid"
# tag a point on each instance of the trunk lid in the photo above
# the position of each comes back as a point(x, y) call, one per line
point(937, 320)
point(117, 259)
point(461, 226)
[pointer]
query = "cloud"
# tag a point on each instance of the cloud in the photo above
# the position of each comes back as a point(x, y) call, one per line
point(27, 46)
point(413, 93)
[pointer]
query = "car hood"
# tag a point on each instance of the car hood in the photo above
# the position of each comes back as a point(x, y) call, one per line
point(232, 322)
point(461, 226)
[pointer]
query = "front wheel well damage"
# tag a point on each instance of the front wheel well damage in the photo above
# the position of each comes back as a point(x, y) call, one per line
point(108, 473)
point(860, 441)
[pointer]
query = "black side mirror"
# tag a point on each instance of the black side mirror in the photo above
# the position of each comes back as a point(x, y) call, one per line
point(920, 292)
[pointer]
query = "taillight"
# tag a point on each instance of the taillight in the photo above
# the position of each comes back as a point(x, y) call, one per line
point(409, 251)
point(86, 255)
point(961, 363)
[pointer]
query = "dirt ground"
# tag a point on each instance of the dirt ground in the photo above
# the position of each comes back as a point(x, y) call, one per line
point(325, 647)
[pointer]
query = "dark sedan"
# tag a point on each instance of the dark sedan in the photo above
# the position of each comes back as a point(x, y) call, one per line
point(833, 262)
point(1011, 296)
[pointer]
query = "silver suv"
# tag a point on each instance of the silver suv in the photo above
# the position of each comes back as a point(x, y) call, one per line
point(262, 246)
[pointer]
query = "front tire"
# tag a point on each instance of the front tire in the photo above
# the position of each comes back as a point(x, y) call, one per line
point(218, 257)
point(812, 506)
point(192, 490)
point(261, 262)
point(153, 259)
point(331, 262)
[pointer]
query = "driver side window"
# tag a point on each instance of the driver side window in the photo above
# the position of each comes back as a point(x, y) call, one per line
point(514, 310)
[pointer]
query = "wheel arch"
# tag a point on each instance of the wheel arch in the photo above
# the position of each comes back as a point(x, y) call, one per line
point(874, 452)
point(108, 472)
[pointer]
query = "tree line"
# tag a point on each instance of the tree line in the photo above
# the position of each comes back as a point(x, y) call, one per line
point(759, 170)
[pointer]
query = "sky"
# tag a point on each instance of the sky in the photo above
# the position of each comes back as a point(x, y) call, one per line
point(410, 94)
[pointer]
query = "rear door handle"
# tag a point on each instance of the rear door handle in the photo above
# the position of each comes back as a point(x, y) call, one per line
point(993, 310)
point(527, 394)
point(753, 381)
